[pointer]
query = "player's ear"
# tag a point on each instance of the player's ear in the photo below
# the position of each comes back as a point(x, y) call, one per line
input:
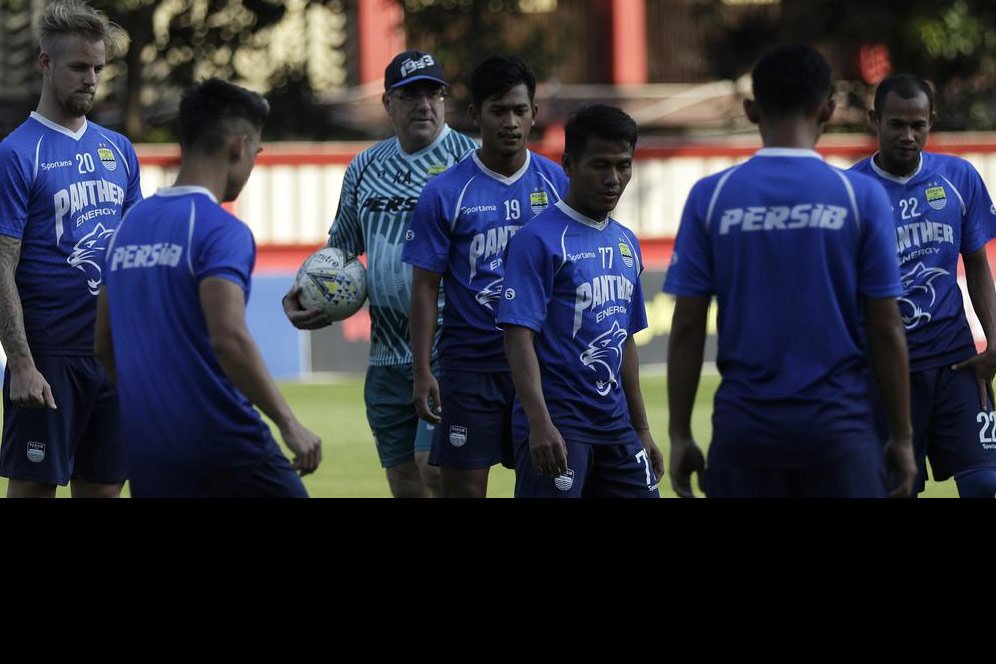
point(535, 113)
point(751, 111)
point(826, 111)
point(931, 121)
point(873, 119)
point(44, 62)
point(236, 145)
point(567, 164)
point(387, 104)
point(475, 115)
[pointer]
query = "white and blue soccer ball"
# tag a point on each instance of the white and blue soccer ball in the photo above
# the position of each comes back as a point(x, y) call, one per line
point(334, 281)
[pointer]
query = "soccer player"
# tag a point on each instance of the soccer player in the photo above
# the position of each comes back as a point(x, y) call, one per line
point(378, 197)
point(571, 304)
point(940, 208)
point(64, 184)
point(171, 323)
point(800, 257)
point(462, 224)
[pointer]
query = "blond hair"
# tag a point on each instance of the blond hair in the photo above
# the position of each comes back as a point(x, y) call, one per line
point(75, 17)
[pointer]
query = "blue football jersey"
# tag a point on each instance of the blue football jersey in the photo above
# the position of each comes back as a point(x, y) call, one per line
point(180, 412)
point(575, 282)
point(63, 194)
point(789, 246)
point(941, 210)
point(461, 227)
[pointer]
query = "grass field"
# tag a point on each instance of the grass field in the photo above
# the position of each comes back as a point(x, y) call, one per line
point(350, 468)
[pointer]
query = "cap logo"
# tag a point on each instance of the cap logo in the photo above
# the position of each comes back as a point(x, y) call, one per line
point(409, 66)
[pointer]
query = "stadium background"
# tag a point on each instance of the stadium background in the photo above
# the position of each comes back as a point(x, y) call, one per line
point(678, 66)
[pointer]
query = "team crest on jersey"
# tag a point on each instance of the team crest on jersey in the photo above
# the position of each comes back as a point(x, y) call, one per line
point(564, 481)
point(626, 253)
point(36, 451)
point(106, 156)
point(88, 255)
point(538, 201)
point(458, 436)
point(918, 283)
point(936, 197)
point(604, 357)
point(436, 169)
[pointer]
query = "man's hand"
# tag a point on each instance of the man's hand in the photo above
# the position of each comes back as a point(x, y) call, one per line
point(984, 365)
point(547, 450)
point(686, 458)
point(29, 389)
point(299, 316)
point(306, 446)
point(425, 388)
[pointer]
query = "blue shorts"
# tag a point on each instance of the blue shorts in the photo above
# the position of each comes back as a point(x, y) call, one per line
point(860, 473)
point(476, 431)
point(270, 477)
point(397, 431)
point(950, 427)
point(593, 471)
point(79, 440)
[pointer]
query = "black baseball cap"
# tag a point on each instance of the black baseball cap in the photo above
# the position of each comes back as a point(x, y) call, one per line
point(411, 66)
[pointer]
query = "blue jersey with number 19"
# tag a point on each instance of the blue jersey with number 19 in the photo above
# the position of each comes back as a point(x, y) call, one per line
point(575, 282)
point(463, 221)
point(789, 246)
point(62, 194)
point(941, 210)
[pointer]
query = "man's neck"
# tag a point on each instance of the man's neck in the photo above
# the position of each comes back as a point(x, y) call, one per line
point(198, 171)
point(49, 109)
point(503, 164)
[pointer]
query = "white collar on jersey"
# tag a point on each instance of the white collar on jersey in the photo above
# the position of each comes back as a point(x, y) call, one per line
point(787, 152)
point(580, 218)
point(511, 179)
point(184, 191)
point(886, 175)
point(59, 128)
point(431, 146)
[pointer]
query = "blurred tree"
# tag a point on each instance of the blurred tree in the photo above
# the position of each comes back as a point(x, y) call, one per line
point(952, 43)
point(462, 33)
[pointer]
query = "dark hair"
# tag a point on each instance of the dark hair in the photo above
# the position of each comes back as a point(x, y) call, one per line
point(906, 86)
point(790, 80)
point(598, 120)
point(497, 75)
point(209, 112)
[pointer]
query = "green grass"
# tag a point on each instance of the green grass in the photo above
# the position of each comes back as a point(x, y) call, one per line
point(350, 468)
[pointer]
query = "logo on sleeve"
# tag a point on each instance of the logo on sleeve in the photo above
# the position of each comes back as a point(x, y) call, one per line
point(410, 235)
point(509, 293)
point(626, 253)
point(936, 198)
point(538, 201)
point(436, 169)
point(106, 156)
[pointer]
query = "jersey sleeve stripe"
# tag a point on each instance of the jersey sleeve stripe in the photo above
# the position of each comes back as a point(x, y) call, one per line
point(715, 195)
point(37, 158)
point(456, 210)
point(964, 208)
point(850, 195)
point(550, 184)
point(190, 238)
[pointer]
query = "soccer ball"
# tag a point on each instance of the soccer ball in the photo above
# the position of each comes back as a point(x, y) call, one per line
point(333, 281)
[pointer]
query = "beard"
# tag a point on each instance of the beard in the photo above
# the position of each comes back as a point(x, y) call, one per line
point(78, 105)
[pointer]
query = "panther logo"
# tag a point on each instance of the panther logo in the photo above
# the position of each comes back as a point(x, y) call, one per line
point(88, 255)
point(490, 294)
point(604, 357)
point(918, 282)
